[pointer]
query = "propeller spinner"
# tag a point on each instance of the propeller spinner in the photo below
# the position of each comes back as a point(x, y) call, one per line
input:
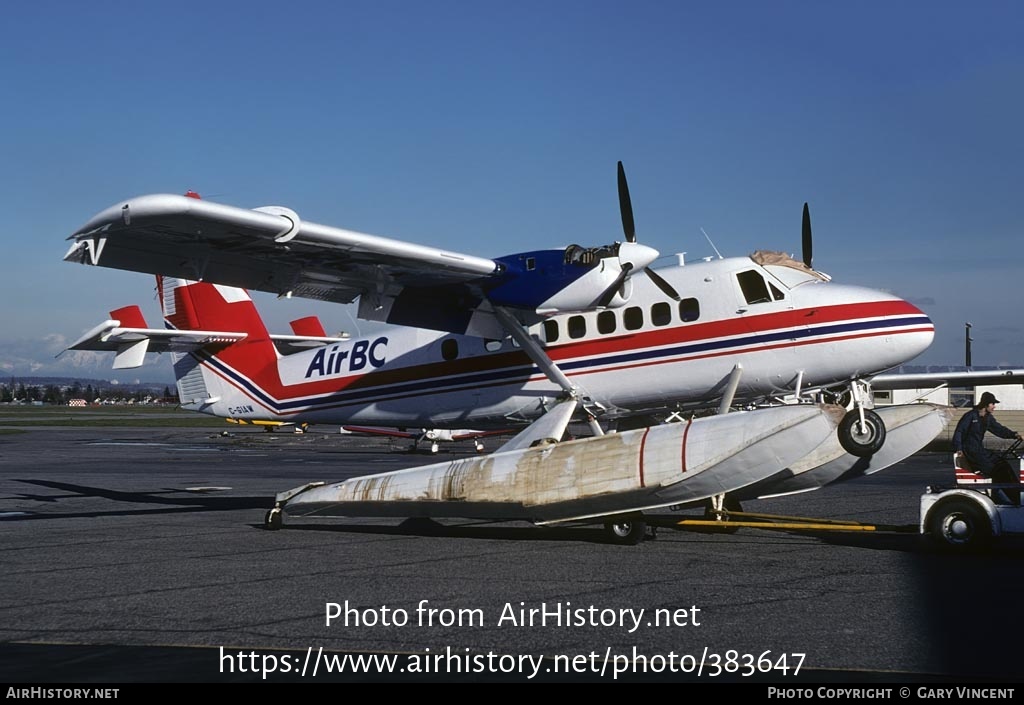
point(631, 254)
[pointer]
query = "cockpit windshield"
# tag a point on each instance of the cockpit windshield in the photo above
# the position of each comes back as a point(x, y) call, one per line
point(787, 270)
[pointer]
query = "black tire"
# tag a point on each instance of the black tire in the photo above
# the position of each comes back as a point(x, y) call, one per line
point(858, 441)
point(627, 531)
point(959, 524)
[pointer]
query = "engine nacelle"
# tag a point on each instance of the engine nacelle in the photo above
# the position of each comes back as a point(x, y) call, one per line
point(572, 279)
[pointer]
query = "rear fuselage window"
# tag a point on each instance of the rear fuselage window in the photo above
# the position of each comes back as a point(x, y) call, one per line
point(450, 349)
point(633, 318)
point(661, 314)
point(577, 326)
point(550, 331)
point(689, 310)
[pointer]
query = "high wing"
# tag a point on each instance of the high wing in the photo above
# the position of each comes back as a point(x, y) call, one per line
point(271, 249)
point(267, 249)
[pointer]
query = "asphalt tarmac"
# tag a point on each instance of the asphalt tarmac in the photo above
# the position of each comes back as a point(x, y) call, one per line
point(139, 555)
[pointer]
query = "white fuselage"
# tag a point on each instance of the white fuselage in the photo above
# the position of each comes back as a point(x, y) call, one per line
point(786, 328)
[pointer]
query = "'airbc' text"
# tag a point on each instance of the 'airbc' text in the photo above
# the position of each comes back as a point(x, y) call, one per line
point(331, 361)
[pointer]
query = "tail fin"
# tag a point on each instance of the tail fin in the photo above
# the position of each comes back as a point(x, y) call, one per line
point(201, 376)
point(191, 305)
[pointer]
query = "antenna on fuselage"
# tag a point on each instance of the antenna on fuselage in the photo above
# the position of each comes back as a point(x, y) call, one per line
point(712, 244)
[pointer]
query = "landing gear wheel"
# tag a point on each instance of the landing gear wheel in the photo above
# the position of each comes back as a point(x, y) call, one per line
point(959, 524)
point(274, 519)
point(628, 532)
point(858, 440)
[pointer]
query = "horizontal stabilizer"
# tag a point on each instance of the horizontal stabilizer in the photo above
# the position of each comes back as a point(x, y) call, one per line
point(288, 344)
point(131, 344)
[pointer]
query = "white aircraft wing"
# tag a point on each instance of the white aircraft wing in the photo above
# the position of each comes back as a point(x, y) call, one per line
point(920, 380)
point(271, 249)
point(268, 249)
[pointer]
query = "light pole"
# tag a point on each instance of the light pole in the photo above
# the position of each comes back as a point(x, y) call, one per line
point(967, 344)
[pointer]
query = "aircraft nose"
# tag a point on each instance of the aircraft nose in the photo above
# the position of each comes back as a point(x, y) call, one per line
point(921, 331)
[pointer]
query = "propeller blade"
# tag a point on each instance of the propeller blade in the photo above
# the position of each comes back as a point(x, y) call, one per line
point(609, 293)
point(662, 284)
point(807, 242)
point(626, 207)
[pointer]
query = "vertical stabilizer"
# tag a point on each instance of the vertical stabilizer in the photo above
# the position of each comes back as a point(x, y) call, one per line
point(190, 305)
point(208, 380)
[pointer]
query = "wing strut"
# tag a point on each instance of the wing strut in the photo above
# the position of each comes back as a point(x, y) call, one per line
point(730, 388)
point(540, 358)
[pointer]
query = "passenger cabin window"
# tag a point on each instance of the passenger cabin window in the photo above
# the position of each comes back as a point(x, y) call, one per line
point(606, 322)
point(577, 326)
point(689, 310)
point(550, 331)
point(633, 318)
point(450, 349)
point(661, 314)
point(756, 289)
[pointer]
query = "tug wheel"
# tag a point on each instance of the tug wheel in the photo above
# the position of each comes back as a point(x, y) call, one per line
point(959, 524)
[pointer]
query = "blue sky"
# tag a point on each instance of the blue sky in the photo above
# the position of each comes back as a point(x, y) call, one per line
point(490, 128)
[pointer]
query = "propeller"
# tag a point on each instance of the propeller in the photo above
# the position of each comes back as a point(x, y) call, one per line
point(632, 255)
point(626, 207)
point(613, 288)
point(665, 287)
point(808, 249)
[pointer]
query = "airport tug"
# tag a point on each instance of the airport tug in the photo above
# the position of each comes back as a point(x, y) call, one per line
point(976, 510)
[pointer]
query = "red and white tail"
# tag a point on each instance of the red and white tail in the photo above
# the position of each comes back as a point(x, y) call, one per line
point(201, 376)
point(191, 305)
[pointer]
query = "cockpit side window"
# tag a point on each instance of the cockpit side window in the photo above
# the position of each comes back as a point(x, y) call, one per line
point(758, 289)
point(754, 288)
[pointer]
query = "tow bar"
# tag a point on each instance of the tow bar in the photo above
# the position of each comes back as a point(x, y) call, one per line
point(777, 521)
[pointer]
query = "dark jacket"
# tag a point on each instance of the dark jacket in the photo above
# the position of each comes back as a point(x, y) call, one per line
point(970, 435)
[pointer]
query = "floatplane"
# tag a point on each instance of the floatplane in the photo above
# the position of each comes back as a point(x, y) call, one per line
point(591, 334)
